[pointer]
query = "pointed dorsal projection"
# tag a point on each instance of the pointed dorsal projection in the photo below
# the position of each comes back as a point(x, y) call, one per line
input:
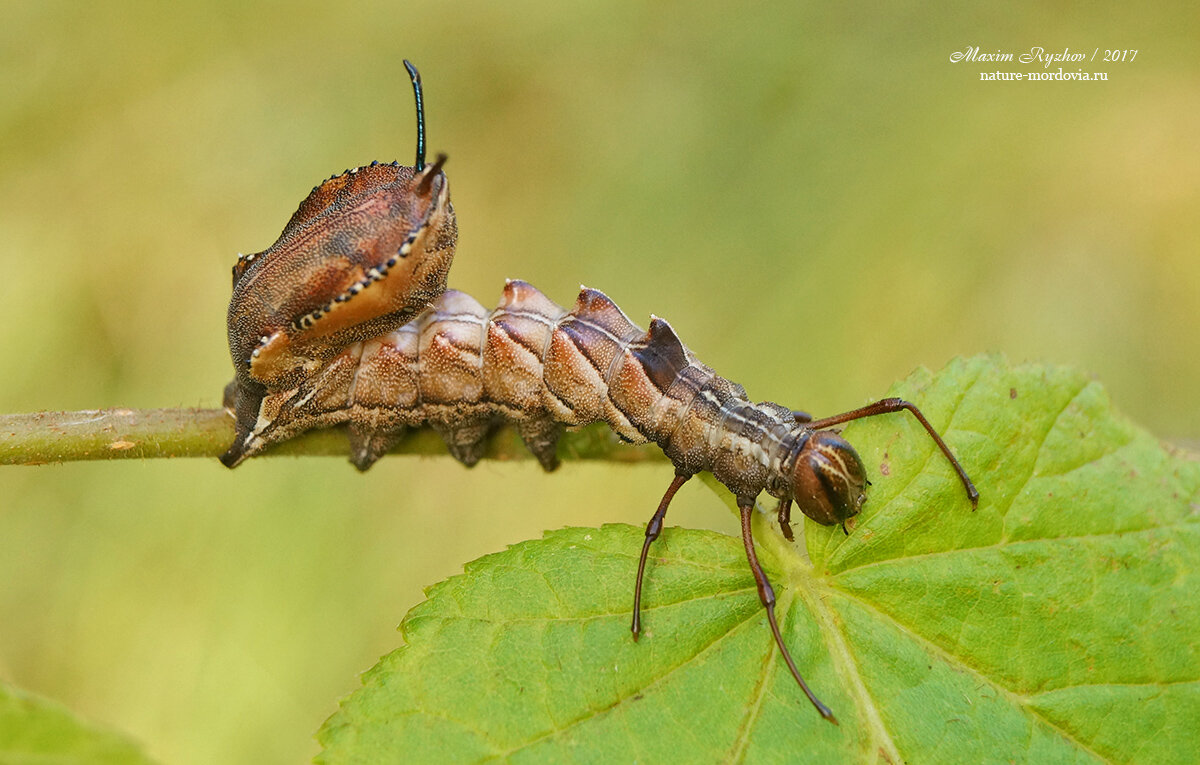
point(598, 310)
point(661, 354)
point(599, 330)
point(521, 296)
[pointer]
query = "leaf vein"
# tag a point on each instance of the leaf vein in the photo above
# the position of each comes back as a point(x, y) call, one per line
point(724, 594)
point(594, 713)
point(1021, 542)
point(1158, 684)
point(839, 651)
point(952, 659)
point(1037, 458)
point(760, 691)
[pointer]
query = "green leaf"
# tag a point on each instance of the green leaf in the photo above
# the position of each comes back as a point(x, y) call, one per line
point(35, 730)
point(1056, 623)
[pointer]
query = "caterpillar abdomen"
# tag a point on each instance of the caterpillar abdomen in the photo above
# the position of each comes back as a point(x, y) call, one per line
point(461, 369)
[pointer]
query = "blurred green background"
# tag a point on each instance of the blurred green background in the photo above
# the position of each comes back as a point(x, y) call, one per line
point(816, 198)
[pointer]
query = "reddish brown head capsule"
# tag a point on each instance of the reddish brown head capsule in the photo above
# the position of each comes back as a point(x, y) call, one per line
point(365, 252)
point(828, 480)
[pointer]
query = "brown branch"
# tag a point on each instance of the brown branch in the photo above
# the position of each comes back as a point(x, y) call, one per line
point(103, 434)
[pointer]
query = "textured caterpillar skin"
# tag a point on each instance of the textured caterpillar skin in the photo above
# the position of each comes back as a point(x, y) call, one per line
point(365, 252)
point(462, 369)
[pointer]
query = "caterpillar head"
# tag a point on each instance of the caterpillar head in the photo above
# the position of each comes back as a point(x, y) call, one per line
point(365, 252)
point(827, 478)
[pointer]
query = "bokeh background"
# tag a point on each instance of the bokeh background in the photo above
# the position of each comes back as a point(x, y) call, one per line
point(816, 197)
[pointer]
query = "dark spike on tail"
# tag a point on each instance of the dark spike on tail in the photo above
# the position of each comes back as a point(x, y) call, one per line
point(419, 95)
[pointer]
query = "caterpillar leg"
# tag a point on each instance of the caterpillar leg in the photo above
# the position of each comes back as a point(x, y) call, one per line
point(368, 444)
point(541, 438)
point(653, 529)
point(887, 406)
point(767, 595)
point(465, 441)
point(244, 402)
point(785, 519)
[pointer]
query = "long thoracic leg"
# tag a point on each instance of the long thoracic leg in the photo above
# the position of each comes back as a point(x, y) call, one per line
point(767, 595)
point(653, 529)
point(887, 406)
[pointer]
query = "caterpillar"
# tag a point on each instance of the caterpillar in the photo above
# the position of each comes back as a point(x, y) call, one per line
point(363, 254)
point(462, 369)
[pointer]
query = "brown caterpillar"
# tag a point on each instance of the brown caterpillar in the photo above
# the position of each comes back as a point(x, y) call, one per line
point(461, 369)
point(363, 254)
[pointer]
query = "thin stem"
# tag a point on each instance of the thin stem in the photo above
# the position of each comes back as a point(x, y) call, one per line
point(103, 434)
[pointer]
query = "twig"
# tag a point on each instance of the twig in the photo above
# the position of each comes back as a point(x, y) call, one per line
point(103, 434)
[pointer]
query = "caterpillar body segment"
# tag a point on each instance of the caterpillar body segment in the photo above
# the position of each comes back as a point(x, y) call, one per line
point(462, 369)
